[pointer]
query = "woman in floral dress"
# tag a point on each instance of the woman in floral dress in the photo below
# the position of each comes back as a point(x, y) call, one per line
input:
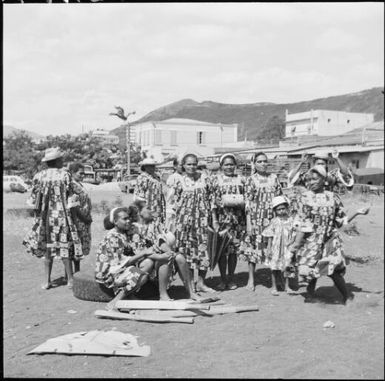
point(149, 188)
point(318, 245)
point(260, 189)
point(227, 215)
point(192, 211)
point(54, 234)
point(80, 205)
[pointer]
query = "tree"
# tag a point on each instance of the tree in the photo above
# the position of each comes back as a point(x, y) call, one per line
point(19, 154)
point(274, 129)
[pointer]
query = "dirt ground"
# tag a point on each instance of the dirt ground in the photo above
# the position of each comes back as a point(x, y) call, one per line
point(284, 339)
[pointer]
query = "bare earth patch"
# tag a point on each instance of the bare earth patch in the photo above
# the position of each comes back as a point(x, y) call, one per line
point(284, 339)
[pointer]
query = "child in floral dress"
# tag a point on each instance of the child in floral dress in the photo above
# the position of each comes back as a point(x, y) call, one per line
point(280, 234)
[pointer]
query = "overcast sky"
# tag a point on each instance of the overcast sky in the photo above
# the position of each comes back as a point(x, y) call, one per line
point(67, 65)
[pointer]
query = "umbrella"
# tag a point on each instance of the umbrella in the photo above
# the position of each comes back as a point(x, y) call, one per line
point(222, 240)
point(212, 243)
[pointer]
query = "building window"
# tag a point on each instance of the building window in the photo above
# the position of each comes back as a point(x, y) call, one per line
point(355, 164)
point(201, 137)
point(173, 140)
point(329, 120)
point(348, 121)
point(158, 137)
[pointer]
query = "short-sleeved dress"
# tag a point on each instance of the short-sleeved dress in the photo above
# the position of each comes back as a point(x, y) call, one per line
point(113, 250)
point(150, 189)
point(282, 231)
point(81, 199)
point(54, 232)
point(193, 216)
point(321, 252)
point(233, 218)
point(259, 192)
point(170, 199)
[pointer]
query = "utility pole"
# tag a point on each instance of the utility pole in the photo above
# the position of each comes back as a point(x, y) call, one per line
point(120, 114)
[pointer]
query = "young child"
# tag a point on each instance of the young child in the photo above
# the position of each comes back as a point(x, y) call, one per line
point(164, 244)
point(125, 260)
point(280, 234)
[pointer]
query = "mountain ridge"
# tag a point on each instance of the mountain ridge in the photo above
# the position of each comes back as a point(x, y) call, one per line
point(264, 119)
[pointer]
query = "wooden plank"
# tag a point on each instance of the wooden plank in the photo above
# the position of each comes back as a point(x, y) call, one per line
point(152, 319)
point(157, 305)
point(230, 309)
point(164, 313)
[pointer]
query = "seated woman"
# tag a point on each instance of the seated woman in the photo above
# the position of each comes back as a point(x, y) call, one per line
point(125, 260)
point(164, 244)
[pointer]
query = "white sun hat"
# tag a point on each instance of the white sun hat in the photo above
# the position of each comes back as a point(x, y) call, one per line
point(52, 154)
point(278, 200)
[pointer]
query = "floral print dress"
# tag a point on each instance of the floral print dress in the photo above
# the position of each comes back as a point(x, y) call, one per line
point(54, 233)
point(321, 252)
point(192, 211)
point(282, 232)
point(233, 218)
point(259, 192)
point(150, 189)
point(112, 252)
point(81, 200)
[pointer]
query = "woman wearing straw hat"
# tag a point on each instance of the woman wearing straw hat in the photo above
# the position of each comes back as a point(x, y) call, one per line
point(228, 211)
point(260, 189)
point(192, 211)
point(149, 189)
point(318, 246)
point(54, 234)
point(340, 175)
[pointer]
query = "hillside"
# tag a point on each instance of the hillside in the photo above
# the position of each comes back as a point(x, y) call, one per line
point(8, 130)
point(264, 120)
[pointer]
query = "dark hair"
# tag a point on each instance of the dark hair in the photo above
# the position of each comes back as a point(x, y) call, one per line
point(55, 163)
point(138, 204)
point(185, 157)
point(225, 156)
point(175, 162)
point(74, 167)
point(132, 212)
point(254, 157)
point(189, 155)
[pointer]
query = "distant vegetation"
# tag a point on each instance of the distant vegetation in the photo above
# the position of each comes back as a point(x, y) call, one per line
point(264, 120)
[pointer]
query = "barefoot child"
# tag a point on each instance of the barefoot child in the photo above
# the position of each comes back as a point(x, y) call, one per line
point(165, 248)
point(279, 233)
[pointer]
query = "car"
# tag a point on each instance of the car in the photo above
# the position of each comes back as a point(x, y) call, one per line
point(14, 184)
point(127, 185)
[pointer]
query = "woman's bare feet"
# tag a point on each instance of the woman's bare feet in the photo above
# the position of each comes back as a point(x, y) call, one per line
point(203, 288)
point(274, 292)
point(46, 286)
point(222, 286)
point(250, 286)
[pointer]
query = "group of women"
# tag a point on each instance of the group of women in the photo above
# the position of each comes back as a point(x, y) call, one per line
point(294, 237)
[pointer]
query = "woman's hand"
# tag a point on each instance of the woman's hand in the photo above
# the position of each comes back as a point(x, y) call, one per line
point(363, 211)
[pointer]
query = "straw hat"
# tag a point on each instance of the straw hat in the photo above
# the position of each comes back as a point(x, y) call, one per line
point(279, 200)
point(319, 169)
point(147, 161)
point(52, 154)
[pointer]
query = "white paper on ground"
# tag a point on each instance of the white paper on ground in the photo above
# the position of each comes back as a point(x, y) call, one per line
point(108, 343)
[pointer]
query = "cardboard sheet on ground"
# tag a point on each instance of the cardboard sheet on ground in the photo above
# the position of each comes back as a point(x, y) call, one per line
point(105, 343)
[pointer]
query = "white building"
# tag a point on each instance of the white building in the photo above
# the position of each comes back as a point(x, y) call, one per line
point(172, 136)
point(324, 122)
point(105, 137)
